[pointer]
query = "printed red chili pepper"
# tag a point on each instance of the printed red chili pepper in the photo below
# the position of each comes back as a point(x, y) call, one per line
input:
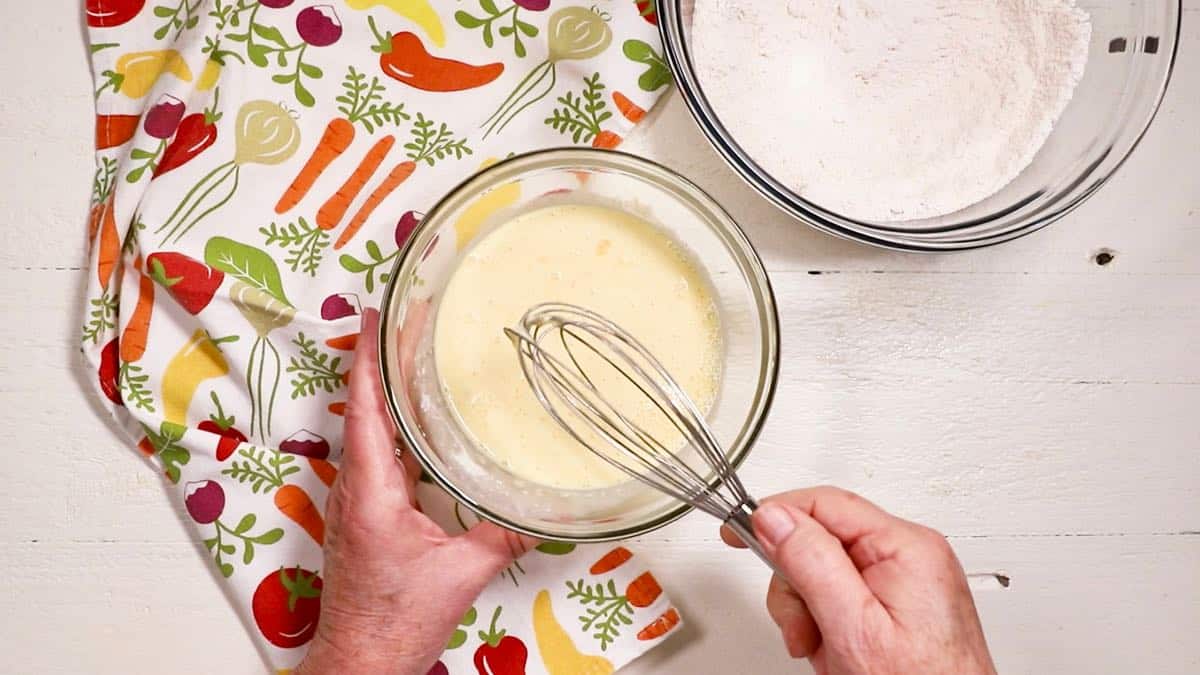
point(500, 654)
point(403, 57)
point(195, 134)
point(221, 425)
point(110, 367)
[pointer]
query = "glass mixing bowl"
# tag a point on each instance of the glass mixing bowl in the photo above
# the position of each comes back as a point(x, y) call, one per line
point(1129, 64)
point(427, 422)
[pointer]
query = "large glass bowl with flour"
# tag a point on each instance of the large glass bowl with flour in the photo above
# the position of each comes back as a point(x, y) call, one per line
point(423, 323)
point(849, 180)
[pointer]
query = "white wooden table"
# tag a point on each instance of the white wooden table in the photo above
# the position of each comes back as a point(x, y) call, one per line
point(1041, 409)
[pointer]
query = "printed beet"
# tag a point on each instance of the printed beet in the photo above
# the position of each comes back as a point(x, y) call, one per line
point(532, 5)
point(340, 305)
point(275, 4)
point(205, 501)
point(404, 228)
point(319, 25)
point(306, 443)
point(163, 119)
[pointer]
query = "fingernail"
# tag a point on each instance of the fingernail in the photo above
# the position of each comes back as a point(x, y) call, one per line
point(774, 523)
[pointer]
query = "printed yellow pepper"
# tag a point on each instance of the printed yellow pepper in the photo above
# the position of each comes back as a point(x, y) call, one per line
point(198, 360)
point(136, 72)
point(209, 76)
point(474, 215)
point(559, 653)
point(418, 11)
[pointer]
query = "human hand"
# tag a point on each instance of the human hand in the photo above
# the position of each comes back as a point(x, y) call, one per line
point(395, 584)
point(866, 592)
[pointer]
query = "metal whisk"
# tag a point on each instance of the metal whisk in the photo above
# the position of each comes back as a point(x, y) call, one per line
point(572, 398)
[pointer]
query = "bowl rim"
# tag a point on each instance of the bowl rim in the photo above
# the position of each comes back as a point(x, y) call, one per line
point(408, 439)
point(670, 27)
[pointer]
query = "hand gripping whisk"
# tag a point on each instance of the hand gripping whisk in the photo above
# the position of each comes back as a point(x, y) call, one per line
point(573, 399)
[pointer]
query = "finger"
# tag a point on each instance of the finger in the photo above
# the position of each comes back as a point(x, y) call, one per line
point(729, 537)
point(788, 610)
point(868, 532)
point(369, 456)
point(816, 565)
point(845, 514)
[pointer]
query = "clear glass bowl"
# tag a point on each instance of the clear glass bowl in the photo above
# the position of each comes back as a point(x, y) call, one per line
point(1129, 64)
point(428, 425)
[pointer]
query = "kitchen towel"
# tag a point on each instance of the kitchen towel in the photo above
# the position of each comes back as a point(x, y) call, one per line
point(259, 163)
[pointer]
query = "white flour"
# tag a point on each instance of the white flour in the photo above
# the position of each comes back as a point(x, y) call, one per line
point(891, 109)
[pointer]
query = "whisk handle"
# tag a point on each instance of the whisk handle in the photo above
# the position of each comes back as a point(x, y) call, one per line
point(739, 522)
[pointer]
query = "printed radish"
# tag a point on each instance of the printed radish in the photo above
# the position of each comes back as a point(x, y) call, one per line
point(319, 25)
point(306, 443)
point(109, 13)
point(286, 606)
point(228, 437)
point(205, 500)
point(195, 134)
point(164, 117)
point(339, 306)
point(190, 282)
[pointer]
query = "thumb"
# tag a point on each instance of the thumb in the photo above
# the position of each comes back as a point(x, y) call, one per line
point(486, 549)
point(816, 565)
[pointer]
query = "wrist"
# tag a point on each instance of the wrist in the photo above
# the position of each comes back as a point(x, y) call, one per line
point(331, 656)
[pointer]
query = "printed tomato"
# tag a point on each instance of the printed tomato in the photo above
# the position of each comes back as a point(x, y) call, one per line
point(287, 605)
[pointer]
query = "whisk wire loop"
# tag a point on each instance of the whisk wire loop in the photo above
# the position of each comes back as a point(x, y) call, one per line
point(575, 401)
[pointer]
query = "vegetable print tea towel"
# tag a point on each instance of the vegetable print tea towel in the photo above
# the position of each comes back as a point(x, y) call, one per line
point(259, 164)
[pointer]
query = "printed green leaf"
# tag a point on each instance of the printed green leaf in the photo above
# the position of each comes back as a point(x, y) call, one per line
point(269, 537)
point(245, 523)
point(658, 73)
point(247, 264)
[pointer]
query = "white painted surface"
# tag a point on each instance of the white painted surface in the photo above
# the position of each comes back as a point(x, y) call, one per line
point(1038, 408)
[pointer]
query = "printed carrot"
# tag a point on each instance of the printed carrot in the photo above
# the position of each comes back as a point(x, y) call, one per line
point(629, 109)
point(335, 207)
point(293, 502)
point(110, 245)
point(324, 470)
point(660, 626)
point(338, 136)
point(338, 408)
point(133, 340)
point(643, 591)
point(114, 130)
point(606, 140)
point(611, 560)
point(343, 343)
point(395, 177)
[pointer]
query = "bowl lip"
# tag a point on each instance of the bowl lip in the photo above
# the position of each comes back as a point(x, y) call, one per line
point(567, 156)
point(670, 27)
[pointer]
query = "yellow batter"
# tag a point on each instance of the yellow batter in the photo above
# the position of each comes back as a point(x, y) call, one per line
point(605, 260)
